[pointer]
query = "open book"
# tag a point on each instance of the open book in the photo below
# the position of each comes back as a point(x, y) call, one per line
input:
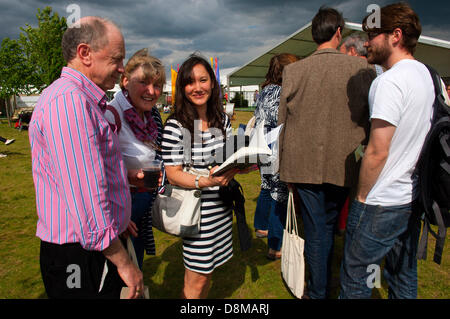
point(257, 151)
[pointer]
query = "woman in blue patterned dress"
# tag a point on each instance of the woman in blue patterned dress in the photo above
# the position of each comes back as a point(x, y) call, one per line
point(270, 214)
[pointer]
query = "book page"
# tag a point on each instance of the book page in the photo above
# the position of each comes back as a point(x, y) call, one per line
point(249, 155)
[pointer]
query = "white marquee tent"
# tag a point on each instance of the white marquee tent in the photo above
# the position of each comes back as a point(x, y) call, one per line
point(434, 52)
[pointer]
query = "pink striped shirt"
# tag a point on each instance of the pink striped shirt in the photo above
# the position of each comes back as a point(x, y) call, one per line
point(82, 191)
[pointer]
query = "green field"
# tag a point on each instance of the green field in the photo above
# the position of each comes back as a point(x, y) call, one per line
point(247, 275)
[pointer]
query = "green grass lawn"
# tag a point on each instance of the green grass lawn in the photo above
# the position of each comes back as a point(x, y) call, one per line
point(247, 275)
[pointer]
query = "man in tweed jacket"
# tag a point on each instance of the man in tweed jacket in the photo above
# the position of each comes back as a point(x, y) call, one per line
point(324, 108)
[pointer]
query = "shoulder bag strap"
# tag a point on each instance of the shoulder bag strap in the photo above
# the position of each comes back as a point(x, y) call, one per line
point(291, 220)
point(117, 121)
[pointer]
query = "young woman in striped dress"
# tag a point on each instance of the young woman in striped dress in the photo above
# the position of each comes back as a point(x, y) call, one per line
point(199, 116)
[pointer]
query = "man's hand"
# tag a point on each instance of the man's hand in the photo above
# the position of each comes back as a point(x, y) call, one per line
point(133, 278)
point(127, 270)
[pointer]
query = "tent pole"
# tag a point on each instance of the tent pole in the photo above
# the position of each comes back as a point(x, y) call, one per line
point(228, 87)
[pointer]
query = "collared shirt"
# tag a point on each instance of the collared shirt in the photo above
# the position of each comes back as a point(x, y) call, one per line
point(82, 190)
point(136, 153)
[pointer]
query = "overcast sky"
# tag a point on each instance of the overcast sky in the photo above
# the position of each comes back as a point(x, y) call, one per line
point(236, 31)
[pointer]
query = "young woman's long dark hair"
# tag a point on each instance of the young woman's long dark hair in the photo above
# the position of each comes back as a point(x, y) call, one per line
point(185, 112)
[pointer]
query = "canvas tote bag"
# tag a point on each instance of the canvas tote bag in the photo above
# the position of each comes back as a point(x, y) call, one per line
point(292, 260)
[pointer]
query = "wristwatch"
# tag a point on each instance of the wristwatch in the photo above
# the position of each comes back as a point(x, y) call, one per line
point(196, 181)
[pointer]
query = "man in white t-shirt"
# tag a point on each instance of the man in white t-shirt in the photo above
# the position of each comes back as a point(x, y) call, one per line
point(383, 221)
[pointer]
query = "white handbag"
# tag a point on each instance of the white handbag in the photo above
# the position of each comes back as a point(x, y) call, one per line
point(177, 210)
point(292, 260)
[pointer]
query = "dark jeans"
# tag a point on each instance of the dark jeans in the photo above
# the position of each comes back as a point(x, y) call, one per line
point(270, 215)
point(320, 205)
point(69, 271)
point(262, 211)
point(277, 221)
point(141, 203)
point(374, 233)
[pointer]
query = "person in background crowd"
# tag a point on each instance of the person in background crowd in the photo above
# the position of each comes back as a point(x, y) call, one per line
point(448, 93)
point(353, 45)
point(270, 214)
point(384, 220)
point(6, 141)
point(82, 193)
point(324, 109)
point(255, 96)
point(140, 136)
point(198, 110)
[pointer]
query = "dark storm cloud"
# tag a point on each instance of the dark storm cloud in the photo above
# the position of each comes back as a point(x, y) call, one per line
point(234, 30)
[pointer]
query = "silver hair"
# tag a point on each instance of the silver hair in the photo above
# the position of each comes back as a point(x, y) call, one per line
point(356, 41)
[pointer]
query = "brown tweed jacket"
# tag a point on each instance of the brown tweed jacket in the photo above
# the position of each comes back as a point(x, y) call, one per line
point(324, 108)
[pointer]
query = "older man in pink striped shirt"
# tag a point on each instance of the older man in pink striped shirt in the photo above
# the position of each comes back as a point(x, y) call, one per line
point(82, 192)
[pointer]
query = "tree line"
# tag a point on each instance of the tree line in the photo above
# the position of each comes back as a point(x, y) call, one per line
point(33, 61)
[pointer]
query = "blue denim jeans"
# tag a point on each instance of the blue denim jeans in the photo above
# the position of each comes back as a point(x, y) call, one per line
point(270, 215)
point(320, 205)
point(277, 221)
point(374, 233)
point(141, 203)
point(261, 220)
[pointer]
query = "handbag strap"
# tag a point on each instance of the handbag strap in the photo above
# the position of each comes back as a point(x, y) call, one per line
point(188, 162)
point(117, 122)
point(291, 220)
point(187, 148)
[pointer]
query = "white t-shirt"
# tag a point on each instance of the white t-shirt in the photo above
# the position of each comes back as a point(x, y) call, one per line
point(402, 96)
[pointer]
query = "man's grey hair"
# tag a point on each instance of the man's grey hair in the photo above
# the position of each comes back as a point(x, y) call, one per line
point(355, 41)
point(89, 30)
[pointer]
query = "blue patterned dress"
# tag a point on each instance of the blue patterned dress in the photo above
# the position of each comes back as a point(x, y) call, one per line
point(267, 110)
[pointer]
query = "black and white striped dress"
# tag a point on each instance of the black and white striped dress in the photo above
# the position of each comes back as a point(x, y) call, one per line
point(212, 247)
